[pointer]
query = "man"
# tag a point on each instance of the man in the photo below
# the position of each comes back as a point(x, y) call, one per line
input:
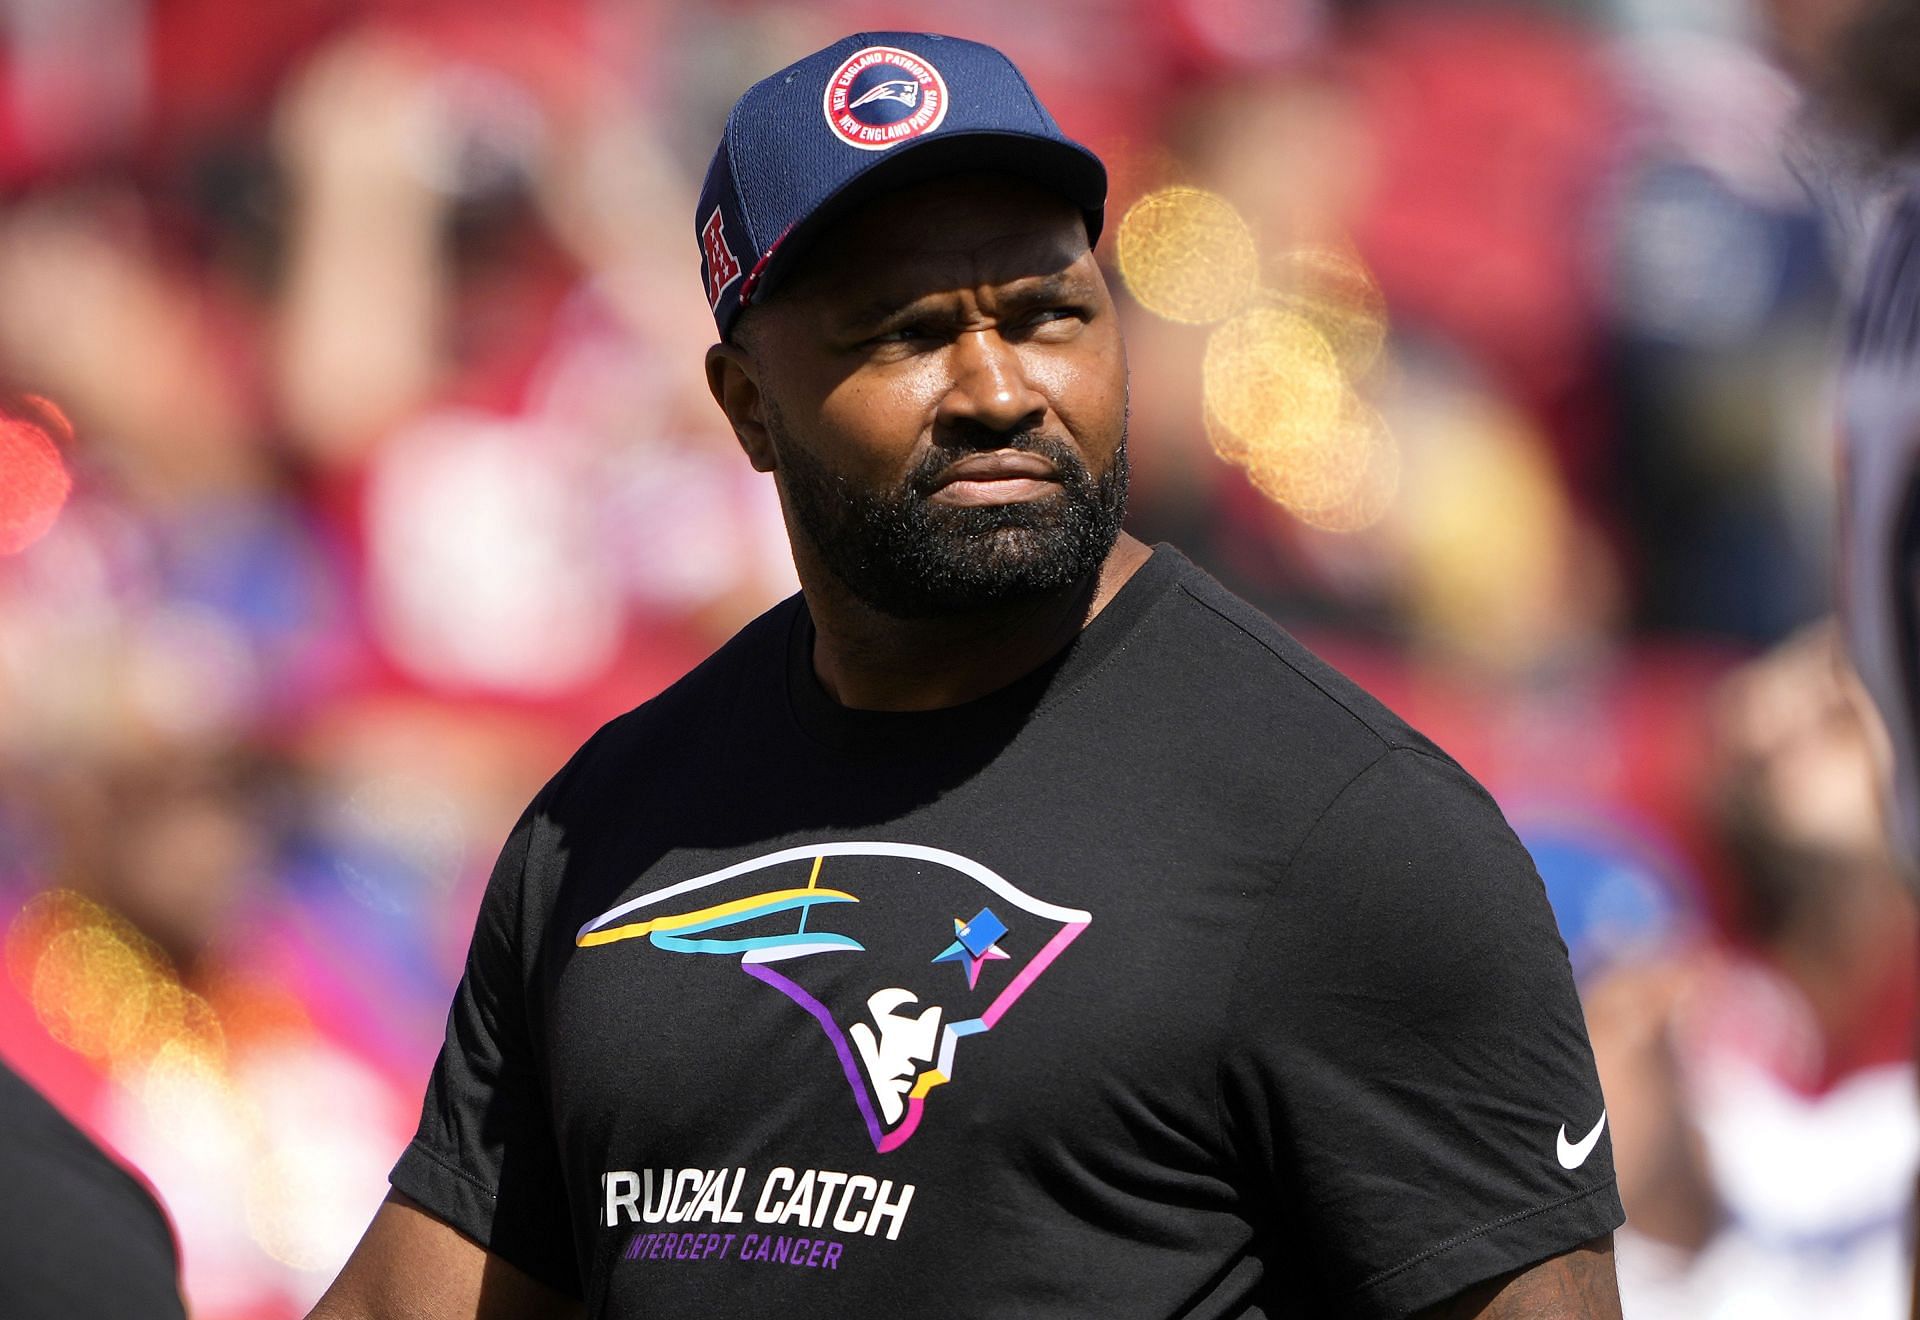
point(1012, 923)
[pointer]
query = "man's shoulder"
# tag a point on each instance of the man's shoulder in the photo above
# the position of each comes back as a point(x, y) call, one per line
point(691, 711)
point(1253, 667)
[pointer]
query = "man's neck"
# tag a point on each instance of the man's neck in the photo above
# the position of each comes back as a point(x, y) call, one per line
point(872, 661)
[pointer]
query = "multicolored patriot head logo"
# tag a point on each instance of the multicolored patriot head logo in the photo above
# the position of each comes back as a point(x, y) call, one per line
point(882, 96)
point(898, 951)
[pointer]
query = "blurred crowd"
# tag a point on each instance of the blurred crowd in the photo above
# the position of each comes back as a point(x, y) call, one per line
point(356, 461)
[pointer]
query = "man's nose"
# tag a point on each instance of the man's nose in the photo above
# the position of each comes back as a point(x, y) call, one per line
point(991, 390)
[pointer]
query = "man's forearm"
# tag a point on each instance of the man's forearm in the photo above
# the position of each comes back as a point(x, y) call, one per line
point(411, 1266)
point(1579, 1285)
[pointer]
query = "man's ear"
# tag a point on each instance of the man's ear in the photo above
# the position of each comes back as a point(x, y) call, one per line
point(733, 378)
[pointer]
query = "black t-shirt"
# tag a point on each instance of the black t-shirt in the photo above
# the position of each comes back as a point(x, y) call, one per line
point(80, 1237)
point(1177, 979)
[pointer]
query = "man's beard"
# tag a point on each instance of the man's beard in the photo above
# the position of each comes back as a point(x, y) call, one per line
point(907, 556)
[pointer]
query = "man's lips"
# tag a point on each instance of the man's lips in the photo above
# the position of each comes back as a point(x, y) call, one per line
point(1005, 476)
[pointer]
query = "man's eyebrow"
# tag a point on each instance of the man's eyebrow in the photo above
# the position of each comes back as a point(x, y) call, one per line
point(885, 307)
point(1022, 292)
point(1060, 285)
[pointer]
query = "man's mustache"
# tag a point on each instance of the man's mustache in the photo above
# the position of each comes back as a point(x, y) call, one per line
point(925, 477)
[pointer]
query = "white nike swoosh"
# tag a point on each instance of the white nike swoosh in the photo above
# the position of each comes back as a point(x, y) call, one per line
point(1573, 1155)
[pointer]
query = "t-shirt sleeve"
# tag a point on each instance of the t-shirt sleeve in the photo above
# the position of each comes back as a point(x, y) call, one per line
point(485, 1158)
point(1409, 1074)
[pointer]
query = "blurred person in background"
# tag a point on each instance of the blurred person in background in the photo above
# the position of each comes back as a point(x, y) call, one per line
point(1805, 1082)
point(1799, 780)
point(1759, 1088)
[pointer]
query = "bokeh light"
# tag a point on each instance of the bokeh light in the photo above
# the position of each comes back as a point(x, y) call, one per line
point(34, 481)
point(187, 1074)
point(1340, 477)
point(1311, 470)
point(1187, 255)
point(1278, 395)
point(1271, 380)
point(1364, 501)
point(319, 1154)
point(1334, 291)
point(104, 990)
point(1487, 528)
point(1223, 440)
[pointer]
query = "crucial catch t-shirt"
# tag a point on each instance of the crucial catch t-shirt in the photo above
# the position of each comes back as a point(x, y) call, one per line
point(1177, 979)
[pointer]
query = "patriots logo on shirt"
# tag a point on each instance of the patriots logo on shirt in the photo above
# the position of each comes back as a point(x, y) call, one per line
point(862, 936)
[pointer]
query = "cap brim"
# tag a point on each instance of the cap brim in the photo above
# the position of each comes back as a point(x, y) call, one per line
point(1070, 170)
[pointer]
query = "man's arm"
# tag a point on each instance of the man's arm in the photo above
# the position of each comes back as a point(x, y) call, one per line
point(1579, 1285)
point(411, 1266)
point(1409, 1054)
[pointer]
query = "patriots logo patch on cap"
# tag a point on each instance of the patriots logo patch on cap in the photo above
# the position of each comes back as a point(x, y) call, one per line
point(858, 935)
point(882, 96)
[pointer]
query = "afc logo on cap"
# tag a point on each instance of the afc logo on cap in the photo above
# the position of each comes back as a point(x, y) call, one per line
point(882, 96)
point(723, 268)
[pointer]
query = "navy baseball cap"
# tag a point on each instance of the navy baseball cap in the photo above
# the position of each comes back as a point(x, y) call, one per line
point(873, 111)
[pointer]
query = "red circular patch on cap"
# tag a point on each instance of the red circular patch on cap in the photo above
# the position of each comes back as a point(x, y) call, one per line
point(882, 96)
point(34, 482)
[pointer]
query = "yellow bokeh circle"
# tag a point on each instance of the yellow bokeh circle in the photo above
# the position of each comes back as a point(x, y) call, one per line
point(1187, 255)
point(1335, 291)
point(1375, 482)
point(1271, 379)
point(1313, 471)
